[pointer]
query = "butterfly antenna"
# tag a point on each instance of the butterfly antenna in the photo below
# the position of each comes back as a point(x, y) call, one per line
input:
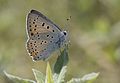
point(67, 25)
point(68, 18)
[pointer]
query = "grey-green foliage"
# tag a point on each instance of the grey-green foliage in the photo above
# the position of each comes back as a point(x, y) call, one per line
point(40, 78)
point(85, 79)
point(53, 78)
point(61, 61)
point(17, 79)
point(59, 78)
point(49, 75)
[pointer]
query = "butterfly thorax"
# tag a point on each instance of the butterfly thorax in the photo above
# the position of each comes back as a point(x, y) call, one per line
point(62, 39)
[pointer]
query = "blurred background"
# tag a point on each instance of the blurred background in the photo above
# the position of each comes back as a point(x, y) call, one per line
point(94, 31)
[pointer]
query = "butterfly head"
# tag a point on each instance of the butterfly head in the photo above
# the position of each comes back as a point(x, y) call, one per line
point(66, 39)
point(65, 33)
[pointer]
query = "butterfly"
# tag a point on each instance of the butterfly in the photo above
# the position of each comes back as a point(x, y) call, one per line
point(44, 37)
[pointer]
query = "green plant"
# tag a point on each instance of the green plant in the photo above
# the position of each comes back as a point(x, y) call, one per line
point(58, 74)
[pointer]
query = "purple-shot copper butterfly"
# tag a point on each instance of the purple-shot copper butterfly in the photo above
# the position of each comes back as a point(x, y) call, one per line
point(44, 37)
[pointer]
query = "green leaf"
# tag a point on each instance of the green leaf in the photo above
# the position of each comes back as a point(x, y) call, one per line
point(86, 78)
point(49, 76)
point(16, 79)
point(62, 75)
point(39, 76)
point(55, 77)
point(89, 77)
point(62, 60)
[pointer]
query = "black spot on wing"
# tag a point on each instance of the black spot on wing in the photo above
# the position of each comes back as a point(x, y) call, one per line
point(43, 24)
point(35, 25)
point(47, 35)
point(32, 34)
point(53, 30)
point(52, 37)
point(33, 22)
point(45, 42)
point(47, 27)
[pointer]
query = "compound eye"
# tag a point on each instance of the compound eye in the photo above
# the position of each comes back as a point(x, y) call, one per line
point(65, 33)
